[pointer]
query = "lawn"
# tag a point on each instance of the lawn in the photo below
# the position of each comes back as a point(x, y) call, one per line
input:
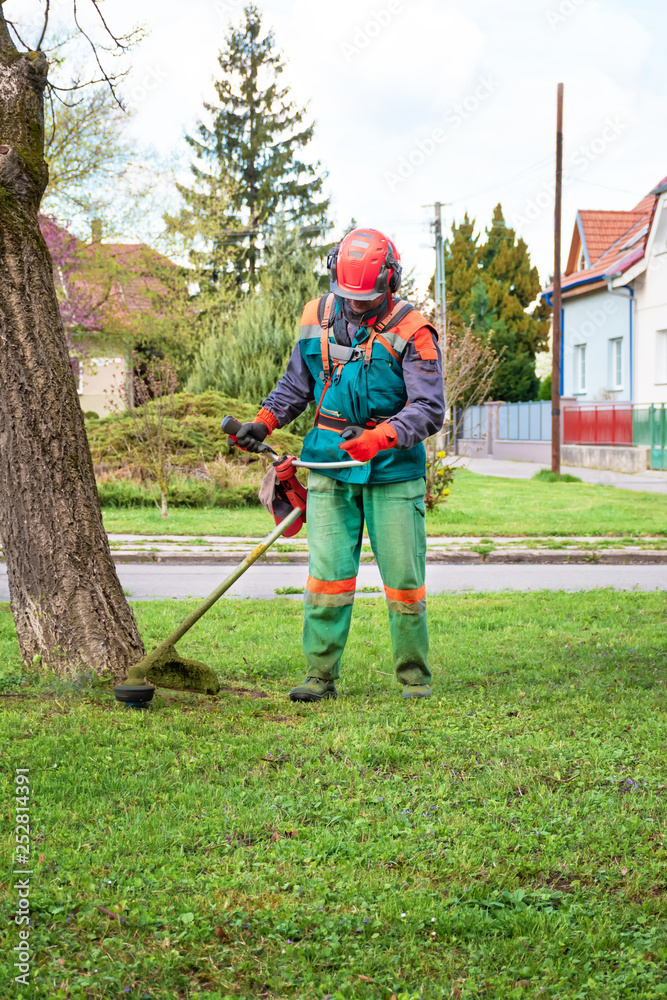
point(478, 505)
point(505, 839)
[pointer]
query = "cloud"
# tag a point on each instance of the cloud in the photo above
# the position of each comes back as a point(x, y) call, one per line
point(376, 104)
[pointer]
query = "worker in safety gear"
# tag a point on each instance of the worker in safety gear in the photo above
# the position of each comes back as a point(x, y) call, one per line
point(373, 365)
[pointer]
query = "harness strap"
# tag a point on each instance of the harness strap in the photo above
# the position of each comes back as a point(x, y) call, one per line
point(400, 310)
point(387, 346)
point(324, 323)
point(369, 348)
point(339, 424)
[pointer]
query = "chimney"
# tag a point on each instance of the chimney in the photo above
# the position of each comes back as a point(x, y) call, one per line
point(96, 230)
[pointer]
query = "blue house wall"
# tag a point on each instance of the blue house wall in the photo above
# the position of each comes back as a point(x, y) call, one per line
point(596, 321)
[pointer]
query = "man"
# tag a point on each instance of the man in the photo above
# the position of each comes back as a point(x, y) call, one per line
point(373, 365)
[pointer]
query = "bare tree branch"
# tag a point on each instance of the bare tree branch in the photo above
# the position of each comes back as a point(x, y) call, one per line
point(91, 83)
point(108, 80)
point(46, 24)
point(124, 42)
point(15, 30)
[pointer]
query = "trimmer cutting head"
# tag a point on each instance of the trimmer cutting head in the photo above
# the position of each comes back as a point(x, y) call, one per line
point(165, 667)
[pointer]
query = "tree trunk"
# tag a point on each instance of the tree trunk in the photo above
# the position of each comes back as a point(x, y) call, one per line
point(66, 598)
point(164, 509)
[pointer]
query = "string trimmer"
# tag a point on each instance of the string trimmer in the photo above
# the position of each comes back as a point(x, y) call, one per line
point(164, 666)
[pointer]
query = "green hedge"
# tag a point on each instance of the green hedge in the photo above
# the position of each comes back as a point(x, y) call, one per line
point(183, 493)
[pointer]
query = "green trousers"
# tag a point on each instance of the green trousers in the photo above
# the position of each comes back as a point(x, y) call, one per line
point(395, 517)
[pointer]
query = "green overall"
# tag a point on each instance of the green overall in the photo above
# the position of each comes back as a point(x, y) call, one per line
point(387, 494)
point(394, 515)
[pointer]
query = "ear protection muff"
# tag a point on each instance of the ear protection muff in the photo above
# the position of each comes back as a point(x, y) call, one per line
point(332, 259)
point(396, 269)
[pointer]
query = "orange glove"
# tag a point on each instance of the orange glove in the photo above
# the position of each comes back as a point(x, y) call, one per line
point(367, 445)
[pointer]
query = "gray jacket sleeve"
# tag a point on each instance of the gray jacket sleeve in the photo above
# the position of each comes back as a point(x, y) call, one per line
point(425, 413)
point(294, 390)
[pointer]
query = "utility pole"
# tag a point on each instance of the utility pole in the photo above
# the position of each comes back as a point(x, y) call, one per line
point(556, 324)
point(439, 283)
point(439, 271)
point(440, 303)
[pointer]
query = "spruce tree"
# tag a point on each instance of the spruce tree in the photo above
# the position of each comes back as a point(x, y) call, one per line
point(248, 170)
point(492, 285)
point(510, 285)
point(462, 266)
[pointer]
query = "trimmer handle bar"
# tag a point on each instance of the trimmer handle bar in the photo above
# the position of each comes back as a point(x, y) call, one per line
point(232, 426)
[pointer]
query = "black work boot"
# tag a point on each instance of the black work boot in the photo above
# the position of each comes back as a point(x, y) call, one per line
point(313, 689)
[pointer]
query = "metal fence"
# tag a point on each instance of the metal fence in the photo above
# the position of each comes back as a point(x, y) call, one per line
point(473, 423)
point(622, 424)
point(649, 428)
point(598, 423)
point(524, 421)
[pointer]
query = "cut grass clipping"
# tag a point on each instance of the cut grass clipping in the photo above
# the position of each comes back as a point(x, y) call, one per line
point(505, 839)
point(477, 505)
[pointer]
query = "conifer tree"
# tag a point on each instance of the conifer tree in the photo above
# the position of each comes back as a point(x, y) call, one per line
point(462, 265)
point(246, 357)
point(248, 169)
point(493, 285)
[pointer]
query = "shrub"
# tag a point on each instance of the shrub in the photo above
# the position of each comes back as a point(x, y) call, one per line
point(183, 492)
point(195, 435)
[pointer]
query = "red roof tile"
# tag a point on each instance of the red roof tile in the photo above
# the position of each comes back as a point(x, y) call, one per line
point(614, 240)
point(601, 229)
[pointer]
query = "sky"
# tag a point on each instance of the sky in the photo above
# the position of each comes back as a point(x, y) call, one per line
point(417, 101)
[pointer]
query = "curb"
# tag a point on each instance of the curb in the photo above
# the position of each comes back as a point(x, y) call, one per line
point(525, 557)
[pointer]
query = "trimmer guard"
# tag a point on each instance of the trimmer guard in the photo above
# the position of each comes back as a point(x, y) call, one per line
point(282, 492)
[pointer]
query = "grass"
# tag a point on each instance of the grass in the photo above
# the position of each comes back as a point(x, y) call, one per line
point(478, 505)
point(503, 840)
point(547, 476)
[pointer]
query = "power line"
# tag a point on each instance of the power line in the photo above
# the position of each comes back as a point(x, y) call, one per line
point(508, 180)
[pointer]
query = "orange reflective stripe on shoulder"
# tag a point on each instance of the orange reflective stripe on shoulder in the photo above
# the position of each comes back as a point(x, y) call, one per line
point(425, 344)
point(309, 314)
point(331, 586)
point(406, 596)
point(416, 327)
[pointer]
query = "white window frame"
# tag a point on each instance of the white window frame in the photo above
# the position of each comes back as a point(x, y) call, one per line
point(616, 363)
point(580, 370)
point(660, 357)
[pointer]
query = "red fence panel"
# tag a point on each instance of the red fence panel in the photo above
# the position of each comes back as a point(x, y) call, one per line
point(608, 423)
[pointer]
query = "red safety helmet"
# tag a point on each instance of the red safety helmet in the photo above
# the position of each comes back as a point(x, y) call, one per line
point(364, 265)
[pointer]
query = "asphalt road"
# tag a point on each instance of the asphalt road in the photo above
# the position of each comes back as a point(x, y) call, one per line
point(142, 581)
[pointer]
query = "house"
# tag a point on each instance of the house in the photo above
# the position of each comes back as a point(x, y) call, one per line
point(113, 298)
point(614, 304)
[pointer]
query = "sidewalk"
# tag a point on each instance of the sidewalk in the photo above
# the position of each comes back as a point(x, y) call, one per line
point(650, 481)
point(172, 549)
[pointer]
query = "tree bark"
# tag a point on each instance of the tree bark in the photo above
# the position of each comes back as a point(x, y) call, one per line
point(67, 601)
